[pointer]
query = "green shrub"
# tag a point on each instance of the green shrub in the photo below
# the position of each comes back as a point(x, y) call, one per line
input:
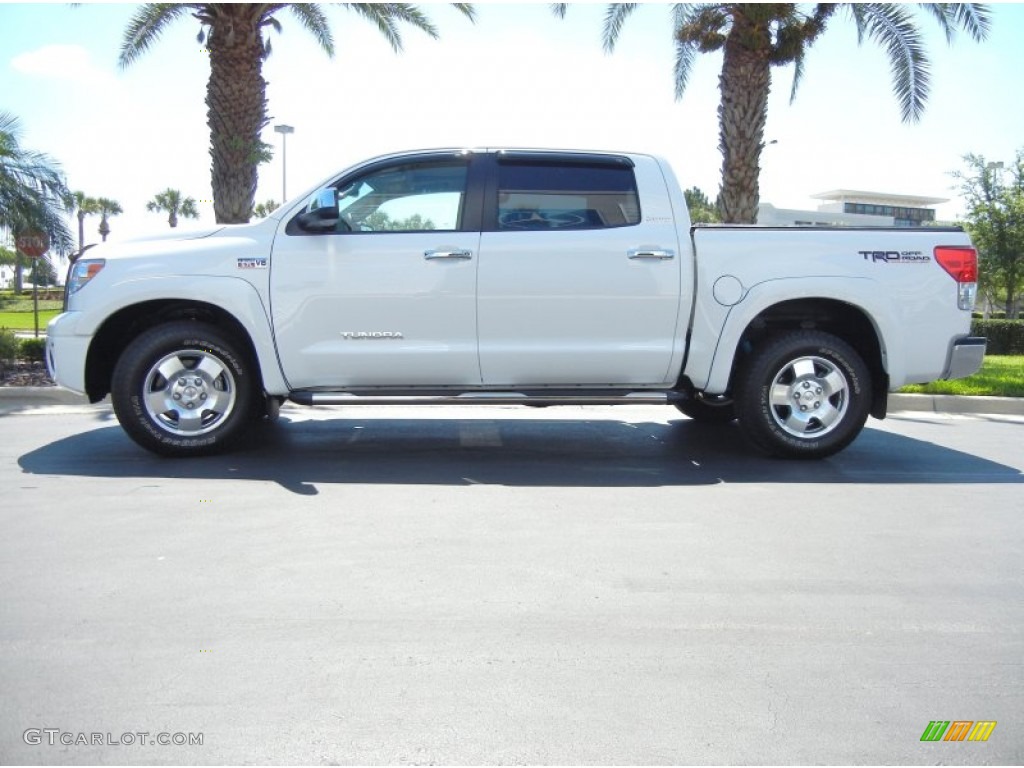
point(33, 349)
point(1005, 337)
point(8, 345)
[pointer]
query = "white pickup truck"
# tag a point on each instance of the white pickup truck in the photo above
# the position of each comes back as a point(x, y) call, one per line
point(523, 277)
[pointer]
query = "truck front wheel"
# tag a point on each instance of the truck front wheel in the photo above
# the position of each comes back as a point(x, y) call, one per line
point(804, 394)
point(184, 389)
point(708, 409)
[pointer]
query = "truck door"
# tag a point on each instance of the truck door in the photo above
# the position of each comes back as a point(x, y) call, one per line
point(578, 283)
point(381, 291)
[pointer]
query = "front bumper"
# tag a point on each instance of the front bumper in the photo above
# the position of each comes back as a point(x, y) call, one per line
point(66, 352)
point(965, 357)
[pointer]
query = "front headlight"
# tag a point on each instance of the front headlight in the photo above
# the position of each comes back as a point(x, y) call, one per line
point(82, 272)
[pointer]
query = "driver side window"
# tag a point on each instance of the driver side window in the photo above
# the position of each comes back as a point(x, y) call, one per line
point(411, 197)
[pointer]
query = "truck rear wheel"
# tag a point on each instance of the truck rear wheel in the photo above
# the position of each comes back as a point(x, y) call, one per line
point(804, 395)
point(184, 389)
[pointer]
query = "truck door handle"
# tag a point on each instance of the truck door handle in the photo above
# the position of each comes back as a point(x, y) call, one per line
point(447, 253)
point(651, 253)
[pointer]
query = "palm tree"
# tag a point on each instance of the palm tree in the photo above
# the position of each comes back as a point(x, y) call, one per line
point(107, 208)
point(236, 92)
point(32, 192)
point(171, 201)
point(754, 37)
point(84, 206)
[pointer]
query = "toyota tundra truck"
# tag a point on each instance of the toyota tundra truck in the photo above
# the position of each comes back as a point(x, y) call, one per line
point(514, 277)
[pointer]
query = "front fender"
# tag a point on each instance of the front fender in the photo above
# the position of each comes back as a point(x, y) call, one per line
point(235, 296)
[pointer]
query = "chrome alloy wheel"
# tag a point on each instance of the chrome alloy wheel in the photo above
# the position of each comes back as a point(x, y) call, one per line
point(189, 392)
point(809, 397)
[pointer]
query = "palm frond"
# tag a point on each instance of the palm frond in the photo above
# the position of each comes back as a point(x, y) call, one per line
point(798, 73)
point(859, 19)
point(973, 18)
point(686, 50)
point(686, 53)
point(109, 207)
point(25, 173)
point(614, 18)
point(312, 17)
point(145, 29)
point(892, 27)
point(466, 9)
point(386, 16)
point(559, 9)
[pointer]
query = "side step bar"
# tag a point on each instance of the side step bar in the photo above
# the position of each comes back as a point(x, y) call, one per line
point(307, 397)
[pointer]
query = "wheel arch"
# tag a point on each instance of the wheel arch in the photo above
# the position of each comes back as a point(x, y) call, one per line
point(848, 321)
point(124, 325)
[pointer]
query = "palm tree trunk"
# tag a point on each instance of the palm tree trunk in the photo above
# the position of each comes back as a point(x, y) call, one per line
point(745, 82)
point(236, 110)
point(19, 279)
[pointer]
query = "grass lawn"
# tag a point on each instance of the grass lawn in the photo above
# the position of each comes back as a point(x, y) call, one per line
point(24, 321)
point(1000, 376)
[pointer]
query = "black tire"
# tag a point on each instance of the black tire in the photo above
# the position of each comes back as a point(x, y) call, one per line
point(708, 409)
point(803, 395)
point(184, 389)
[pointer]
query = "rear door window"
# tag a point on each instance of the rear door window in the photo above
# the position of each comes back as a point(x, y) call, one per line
point(555, 194)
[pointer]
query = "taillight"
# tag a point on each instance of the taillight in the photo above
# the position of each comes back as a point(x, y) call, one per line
point(961, 262)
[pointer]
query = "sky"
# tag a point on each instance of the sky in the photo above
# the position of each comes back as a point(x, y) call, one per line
point(517, 77)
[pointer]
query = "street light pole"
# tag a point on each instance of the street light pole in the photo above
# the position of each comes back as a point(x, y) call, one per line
point(284, 130)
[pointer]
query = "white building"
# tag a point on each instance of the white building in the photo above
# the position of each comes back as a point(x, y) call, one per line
point(854, 208)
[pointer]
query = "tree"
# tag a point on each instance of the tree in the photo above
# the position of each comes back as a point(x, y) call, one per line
point(264, 209)
point(9, 258)
point(32, 191)
point(107, 208)
point(84, 206)
point(379, 221)
point(43, 272)
point(995, 220)
point(236, 91)
point(702, 210)
point(754, 37)
point(171, 202)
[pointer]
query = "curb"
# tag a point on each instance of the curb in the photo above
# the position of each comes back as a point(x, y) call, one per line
point(1000, 406)
point(14, 398)
point(40, 396)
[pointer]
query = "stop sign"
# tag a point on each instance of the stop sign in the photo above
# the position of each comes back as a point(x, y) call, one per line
point(33, 244)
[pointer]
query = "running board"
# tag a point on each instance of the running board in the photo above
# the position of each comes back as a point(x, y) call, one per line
point(307, 397)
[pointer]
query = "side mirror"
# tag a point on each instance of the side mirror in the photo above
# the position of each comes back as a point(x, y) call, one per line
point(327, 198)
point(323, 215)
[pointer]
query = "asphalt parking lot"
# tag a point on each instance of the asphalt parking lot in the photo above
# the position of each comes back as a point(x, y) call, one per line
point(508, 585)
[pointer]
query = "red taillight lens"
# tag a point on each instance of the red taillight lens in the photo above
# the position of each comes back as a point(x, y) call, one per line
point(960, 262)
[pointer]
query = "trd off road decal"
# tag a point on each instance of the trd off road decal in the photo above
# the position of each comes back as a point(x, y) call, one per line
point(895, 257)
